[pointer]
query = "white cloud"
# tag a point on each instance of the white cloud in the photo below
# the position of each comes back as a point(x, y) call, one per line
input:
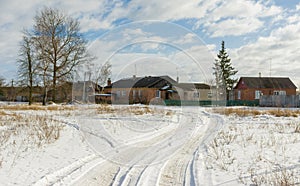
point(216, 17)
point(165, 10)
point(298, 7)
point(277, 52)
point(237, 17)
point(234, 27)
point(187, 39)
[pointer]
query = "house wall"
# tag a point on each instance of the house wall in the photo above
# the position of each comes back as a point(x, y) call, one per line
point(76, 91)
point(249, 94)
point(191, 95)
point(133, 95)
point(20, 93)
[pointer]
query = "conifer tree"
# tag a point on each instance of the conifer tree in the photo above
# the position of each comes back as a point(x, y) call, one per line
point(224, 71)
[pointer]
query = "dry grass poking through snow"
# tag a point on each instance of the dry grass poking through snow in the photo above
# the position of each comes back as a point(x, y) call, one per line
point(23, 107)
point(254, 112)
point(35, 129)
point(21, 132)
point(260, 149)
point(132, 110)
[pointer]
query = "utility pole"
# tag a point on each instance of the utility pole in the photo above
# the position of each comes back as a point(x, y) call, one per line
point(270, 67)
point(83, 93)
point(12, 90)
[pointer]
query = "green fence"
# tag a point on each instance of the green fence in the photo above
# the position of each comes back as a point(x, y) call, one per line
point(211, 103)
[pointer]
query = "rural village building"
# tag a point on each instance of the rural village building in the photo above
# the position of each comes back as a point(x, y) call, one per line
point(151, 89)
point(252, 88)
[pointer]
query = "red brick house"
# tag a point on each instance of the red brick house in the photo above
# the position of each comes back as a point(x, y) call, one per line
point(251, 88)
point(138, 90)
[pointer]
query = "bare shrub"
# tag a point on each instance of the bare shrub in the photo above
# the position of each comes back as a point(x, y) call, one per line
point(47, 130)
point(219, 152)
point(280, 177)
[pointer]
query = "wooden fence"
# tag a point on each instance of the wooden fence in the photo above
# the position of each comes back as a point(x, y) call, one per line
point(279, 101)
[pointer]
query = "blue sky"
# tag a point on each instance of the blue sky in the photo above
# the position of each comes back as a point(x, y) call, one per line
point(171, 37)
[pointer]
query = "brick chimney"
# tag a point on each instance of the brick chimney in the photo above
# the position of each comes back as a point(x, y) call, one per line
point(108, 82)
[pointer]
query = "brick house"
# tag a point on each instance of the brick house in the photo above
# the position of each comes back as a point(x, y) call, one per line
point(151, 89)
point(138, 90)
point(252, 88)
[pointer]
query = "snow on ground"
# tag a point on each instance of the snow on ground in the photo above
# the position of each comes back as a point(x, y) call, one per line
point(145, 145)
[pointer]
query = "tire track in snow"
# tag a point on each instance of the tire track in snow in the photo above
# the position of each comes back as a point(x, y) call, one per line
point(181, 168)
point(67, 171)
point(141, 176)
point(145, 165)
point(122, 173)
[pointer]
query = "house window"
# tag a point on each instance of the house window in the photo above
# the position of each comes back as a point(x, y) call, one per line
point(118, 93)
point(134, 94)
point(157, 94)
point(239, 94)
point(257, 94)
point(140, 93)
point(279, 92)
point(282, 92)
point(209, 94)
point(123, 93)
point(196, 94)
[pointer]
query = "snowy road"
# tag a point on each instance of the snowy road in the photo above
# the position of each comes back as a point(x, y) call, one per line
point(146, 145)
point(140, 151)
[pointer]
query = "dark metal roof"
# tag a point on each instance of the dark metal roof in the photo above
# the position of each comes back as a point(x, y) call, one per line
point(143, 82)
point(191, 86)
point(268, 82)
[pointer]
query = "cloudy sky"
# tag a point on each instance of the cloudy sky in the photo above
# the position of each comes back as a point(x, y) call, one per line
point(171, 37)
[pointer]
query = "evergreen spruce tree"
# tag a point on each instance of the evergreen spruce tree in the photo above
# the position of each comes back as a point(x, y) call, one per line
point(223, 71)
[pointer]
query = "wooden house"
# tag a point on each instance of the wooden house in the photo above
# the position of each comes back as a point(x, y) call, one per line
point(193, 91)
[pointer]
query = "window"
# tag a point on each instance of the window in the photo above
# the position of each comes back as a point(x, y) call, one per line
point(134, 94)
point(282, 92)
point(118, 93)
point(123, 93)
point(279, 92)
point(239, 94)
point(140, 93)
point(196, 94)
point(257, 94)
point(209, 94)
point(157, 94)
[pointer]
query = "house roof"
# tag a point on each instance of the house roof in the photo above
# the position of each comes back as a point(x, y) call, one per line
point(143, 82)
point(191, 86)
point(267, 82)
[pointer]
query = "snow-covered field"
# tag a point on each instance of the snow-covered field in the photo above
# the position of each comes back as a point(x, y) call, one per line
point(146, 145)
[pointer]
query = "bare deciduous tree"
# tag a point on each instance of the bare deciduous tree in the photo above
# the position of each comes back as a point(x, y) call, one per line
point(2, 81)
point(102, 74)
point(99, 72)
point(27, 64)
point(59, 44)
